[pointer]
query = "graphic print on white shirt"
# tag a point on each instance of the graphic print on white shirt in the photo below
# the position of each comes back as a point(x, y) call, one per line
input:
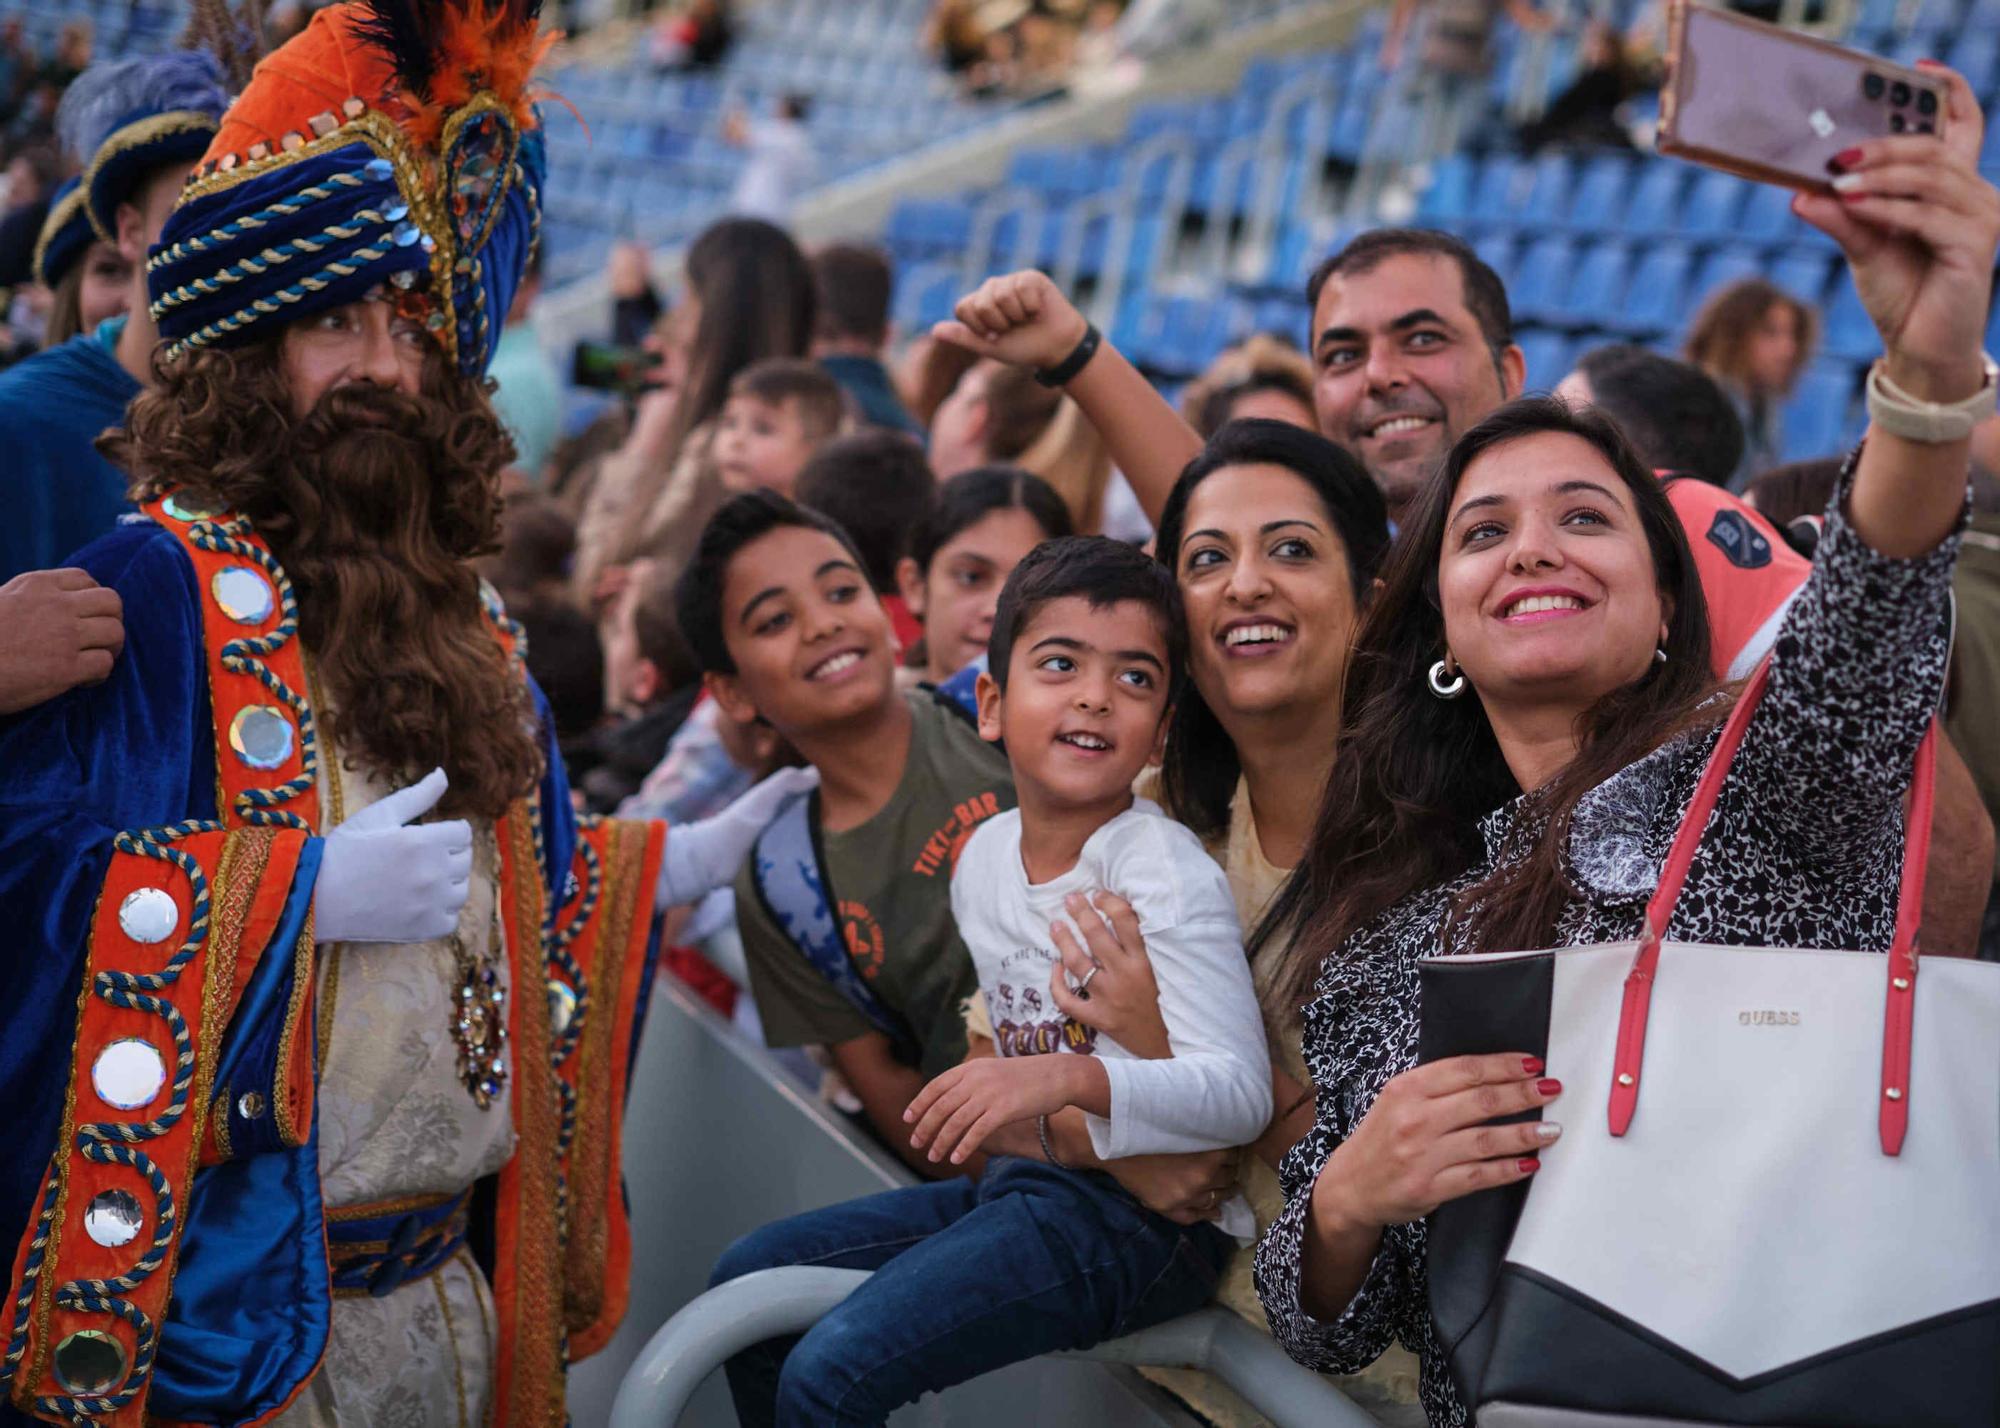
point(1026, 1020)
point(1214, 1092)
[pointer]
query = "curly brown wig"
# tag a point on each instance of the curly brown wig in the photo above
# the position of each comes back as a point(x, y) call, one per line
point(375, 503)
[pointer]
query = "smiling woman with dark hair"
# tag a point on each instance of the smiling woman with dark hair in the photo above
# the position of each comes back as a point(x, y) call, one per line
point(1527, 714)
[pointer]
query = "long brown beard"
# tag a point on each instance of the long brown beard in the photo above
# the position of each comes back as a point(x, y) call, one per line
point(375, 504)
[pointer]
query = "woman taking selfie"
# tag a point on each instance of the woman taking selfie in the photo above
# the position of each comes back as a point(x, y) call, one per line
point(1528, 712)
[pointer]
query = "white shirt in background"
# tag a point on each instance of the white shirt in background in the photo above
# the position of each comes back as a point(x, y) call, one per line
point(1214, 1092)
point(777, 166)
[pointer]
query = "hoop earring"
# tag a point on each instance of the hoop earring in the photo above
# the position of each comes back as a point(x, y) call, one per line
point(1660, 655)
point(1446, 688)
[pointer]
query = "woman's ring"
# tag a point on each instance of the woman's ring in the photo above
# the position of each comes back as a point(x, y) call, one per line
point(1083, 987)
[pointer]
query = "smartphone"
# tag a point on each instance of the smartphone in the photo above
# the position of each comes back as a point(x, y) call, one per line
point(604, 367)
point(1775, 105)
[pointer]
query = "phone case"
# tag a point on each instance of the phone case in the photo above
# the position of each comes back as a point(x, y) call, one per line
point(1775, 105)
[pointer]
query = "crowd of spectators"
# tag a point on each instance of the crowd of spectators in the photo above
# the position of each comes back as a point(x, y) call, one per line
point(926, 498)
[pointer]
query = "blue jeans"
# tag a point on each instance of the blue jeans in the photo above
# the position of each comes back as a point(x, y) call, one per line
point(969, 1277)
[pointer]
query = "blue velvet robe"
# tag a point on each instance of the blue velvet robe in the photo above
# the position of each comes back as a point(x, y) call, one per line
point(248, 1319)
point(59, 493)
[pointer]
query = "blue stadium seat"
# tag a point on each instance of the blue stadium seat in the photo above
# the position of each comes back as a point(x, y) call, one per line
point(1555, 173)
point(1976, 55)
point(1850, 334)
point(1501, 190)
point(1804, 275)
point(1656, 300)
point(1542, 277)
point(1712, 205)
point(1598, 200)
point(1548, 358)
point(1594, 296)
point(1729, 265)
point(1496, 249)
point(1655, 203)
point(1448, 200)
point(1767, 216)
point(1819, 418)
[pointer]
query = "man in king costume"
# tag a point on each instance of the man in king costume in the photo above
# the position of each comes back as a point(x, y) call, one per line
point(319, 999)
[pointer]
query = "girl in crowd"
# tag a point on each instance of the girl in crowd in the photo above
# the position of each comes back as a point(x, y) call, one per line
point(1754, 339)
point(962, 552)
point(1543, 574)
point(89, 280)
point(749, 297)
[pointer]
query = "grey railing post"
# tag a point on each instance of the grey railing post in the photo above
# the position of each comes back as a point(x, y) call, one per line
point(774, 1302)
point(727, 1319)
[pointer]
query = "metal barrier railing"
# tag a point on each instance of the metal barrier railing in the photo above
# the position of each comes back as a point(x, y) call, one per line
point(774, 1302)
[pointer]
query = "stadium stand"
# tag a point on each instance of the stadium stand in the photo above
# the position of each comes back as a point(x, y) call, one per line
point(1197, 226)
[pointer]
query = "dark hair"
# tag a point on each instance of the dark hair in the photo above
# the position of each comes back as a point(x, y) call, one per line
point(854, 285)
point(1802, 488)
point(656, 627)
point(1414, 774)
point(1485, 294)
point(1018, 410)
point(1199, 772)
point(742, 520)
point(1673, 413)
point(971, 496)
point(822, 405)
point(756, 297)
point(537, 544)
point(567, 662)
point(1216, 406)
point(877, 486)
point(1098, 569)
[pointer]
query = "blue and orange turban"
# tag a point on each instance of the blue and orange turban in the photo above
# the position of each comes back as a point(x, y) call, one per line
point(391, 142)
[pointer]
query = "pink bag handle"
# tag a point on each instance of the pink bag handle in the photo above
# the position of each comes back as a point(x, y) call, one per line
point(1630, 1052)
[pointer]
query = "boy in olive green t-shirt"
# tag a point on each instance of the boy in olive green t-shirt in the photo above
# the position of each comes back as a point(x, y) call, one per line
point(781, 616)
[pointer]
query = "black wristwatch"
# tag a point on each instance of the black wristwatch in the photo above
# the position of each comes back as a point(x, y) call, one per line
point(1064, 372)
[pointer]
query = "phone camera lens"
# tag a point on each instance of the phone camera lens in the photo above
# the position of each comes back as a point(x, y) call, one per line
point(1899, 93)
point(1927, 127)
point(1874, 85)
point(1926, 102)
point(1897, 124)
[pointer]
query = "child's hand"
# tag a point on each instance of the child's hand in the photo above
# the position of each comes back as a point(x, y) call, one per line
point(955, 1113)
point(1122, 1001)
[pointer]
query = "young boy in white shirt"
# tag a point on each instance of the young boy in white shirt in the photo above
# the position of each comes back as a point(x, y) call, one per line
point(1088, 646)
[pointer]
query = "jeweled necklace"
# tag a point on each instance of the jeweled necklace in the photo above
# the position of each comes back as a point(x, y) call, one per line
point(479, 1008)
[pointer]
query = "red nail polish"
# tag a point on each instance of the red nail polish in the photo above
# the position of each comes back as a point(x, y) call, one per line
point(1848, 158)
point(1532, 1065)
point(1856, 196)
point(1549, 1086)
point(1529, 1165)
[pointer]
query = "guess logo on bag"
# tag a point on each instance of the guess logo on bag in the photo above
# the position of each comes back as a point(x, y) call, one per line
point(1767, 1018)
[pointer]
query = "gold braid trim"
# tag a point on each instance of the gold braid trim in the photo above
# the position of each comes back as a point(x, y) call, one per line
point(25, 1383)
point(537, 1395)
point(58, 219)
point(137, 136)
point(592, 1176)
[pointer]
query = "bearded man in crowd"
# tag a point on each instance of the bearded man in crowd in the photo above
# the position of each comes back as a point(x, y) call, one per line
point(320, 1001)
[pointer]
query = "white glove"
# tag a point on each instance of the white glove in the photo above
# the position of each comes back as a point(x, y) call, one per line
point(701, 857)
point(380, 881)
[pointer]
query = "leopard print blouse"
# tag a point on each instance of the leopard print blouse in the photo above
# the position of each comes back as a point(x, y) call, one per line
point(1804, 850)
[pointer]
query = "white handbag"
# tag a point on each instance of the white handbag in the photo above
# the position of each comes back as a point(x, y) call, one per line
point(1776, 1199)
